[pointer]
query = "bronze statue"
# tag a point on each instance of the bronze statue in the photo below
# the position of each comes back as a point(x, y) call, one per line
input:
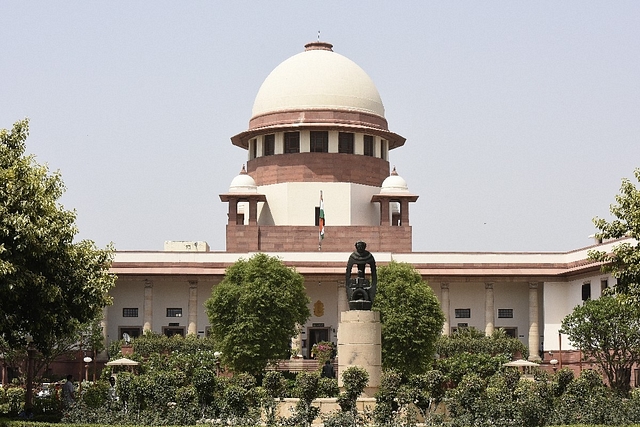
point(361, 291)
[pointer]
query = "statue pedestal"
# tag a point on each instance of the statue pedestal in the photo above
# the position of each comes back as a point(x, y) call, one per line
point(359, 344)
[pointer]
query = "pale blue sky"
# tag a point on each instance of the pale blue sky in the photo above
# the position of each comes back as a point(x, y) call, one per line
point(521, 118)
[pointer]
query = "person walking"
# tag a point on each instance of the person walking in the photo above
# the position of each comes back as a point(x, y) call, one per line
point(68, 391)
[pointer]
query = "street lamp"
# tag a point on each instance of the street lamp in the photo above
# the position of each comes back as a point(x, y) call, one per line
point(31, 351)
point(86, 360)
point(554, 364)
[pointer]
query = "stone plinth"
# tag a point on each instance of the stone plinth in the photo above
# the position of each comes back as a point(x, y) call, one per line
point(359, 344)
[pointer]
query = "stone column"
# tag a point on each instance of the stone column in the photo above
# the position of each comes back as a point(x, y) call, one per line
point(193, 307)
point(404, 212)
point(343, 304)
point(233, 211)
point(384, 212)
point(444, 303)
point(148, 306)
point(489, 312)
point(534, 333)
point(253, 211)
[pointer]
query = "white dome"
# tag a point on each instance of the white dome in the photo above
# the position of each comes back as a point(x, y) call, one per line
point(318, 79)
point(243, 183)
point(394, 184)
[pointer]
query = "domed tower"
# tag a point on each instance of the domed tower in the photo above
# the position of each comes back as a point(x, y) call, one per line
point(317, 128)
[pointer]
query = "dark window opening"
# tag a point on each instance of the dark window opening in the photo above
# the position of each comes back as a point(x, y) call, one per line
point(173, 330)
point(505, 313)
point(254, 148)
point(511, 332)
point(174, 312)
point(319, 142)
point(460, 326)
point(269, 145)
point(586, 291)
point(368, 145)
point(292, 142)
point(345, 143)
point(130, 312)
point(463, 313)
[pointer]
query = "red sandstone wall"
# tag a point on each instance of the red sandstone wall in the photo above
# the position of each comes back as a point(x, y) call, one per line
point(244, 238)
point(318, 167)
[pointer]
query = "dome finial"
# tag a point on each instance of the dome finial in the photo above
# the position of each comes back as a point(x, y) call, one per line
point(393, 172)
point(243, 171)
point(318, 45)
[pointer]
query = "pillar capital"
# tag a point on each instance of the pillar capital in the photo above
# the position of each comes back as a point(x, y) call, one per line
point(444, 286)
point(488, 285)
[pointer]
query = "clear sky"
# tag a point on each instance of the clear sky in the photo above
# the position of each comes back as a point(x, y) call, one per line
point(521, 118)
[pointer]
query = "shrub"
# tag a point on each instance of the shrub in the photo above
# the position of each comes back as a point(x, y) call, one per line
point(427, 391)
point(15, 400)
point(354, 381)
point(274, 384)
point(386, 398)
point(587, 401)
point(328, 387)
point(95, 395)
point(306, 389)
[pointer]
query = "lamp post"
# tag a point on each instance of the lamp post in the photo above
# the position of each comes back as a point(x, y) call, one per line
point(86, 360)
point(554, 364)
point(31, 351)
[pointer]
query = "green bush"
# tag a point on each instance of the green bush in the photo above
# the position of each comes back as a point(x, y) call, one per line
point(427, 392)
point(274, 384)
point(306, 389)
point(95, 395)
point(15, 400)
point(588, 401)
point(328, 387)
point(354, 381)
point(386, 398)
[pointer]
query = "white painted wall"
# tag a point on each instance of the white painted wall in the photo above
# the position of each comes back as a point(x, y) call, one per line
point(560, 298)
point(467, 295)
point(127, 294)
point(294, 203)
point(515, 296)
point(326, 292)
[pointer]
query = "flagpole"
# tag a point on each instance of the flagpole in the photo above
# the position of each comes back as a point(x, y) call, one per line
point(321, 223)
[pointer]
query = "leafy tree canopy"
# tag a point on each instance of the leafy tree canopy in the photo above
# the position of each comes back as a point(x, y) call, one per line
point(411, 318)
point(49, 284)
point(624, 260)
point(608, 331)
point(254, 312)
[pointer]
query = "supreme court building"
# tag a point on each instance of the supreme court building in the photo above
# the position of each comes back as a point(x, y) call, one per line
point(318, 125)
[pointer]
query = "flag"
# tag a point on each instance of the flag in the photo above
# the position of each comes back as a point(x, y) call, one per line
point(321, 218)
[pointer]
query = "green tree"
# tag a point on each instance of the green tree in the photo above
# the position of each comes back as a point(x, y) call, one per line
point(624, 260)
point(411, 318)
point(607, 330)
point(254, 312)
point(49, 284)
